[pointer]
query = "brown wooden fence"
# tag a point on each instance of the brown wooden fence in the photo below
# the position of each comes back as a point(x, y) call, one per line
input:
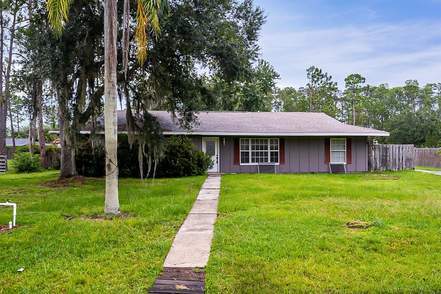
point(428, 157)
point(395, 157)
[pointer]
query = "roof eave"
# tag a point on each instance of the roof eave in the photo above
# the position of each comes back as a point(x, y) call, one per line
point(304, 134)
point(324, 134)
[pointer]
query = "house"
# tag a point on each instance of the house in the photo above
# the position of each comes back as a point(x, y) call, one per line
point(18, 142)
point(281, 142)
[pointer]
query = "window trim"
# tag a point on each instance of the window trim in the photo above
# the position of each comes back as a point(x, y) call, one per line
point(345, 150)
point(250, 151)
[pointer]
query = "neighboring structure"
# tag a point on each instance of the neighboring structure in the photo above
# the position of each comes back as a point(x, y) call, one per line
point(18, 143)
point(282, 142)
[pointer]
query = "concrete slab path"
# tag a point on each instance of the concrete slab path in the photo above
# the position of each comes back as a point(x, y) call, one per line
point(438, 173)
point(191, 246)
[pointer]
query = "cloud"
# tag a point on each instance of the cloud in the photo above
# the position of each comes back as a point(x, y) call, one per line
point(383, 53)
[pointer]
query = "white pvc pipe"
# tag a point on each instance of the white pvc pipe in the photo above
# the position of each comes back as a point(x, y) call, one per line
point(14, 210)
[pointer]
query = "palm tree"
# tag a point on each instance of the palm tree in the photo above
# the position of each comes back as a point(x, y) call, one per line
point(148, 12)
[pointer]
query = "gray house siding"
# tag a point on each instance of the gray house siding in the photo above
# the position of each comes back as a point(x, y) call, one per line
point(302, 155)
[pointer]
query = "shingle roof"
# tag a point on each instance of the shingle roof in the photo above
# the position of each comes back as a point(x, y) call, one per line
point(259, 124)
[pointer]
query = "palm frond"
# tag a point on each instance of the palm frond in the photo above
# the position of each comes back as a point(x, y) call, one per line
point(148, 13)
point(58, 12)
point(141, 35)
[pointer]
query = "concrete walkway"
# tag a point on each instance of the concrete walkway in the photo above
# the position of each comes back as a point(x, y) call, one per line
point(192, 244)
point(438, 173)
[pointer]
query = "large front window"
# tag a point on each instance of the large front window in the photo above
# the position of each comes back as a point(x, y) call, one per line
point(338, 150)
point(259, 150)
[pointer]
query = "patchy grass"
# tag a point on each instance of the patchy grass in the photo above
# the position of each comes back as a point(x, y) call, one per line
point(64, 246)
point(428, 168)
point(289, 233)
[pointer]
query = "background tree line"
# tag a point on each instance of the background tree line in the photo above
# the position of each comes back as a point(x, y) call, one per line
point(411, 113)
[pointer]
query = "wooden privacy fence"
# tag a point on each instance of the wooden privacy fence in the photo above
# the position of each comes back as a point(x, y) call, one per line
point(428, 157)
point(395, 157)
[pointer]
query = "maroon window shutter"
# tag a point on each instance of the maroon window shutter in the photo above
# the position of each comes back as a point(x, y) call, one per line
point(327, 150)
point(236, 151)
point(282, 150)
point(349, 150)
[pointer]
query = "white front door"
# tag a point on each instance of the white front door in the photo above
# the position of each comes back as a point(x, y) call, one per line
point(210, 146)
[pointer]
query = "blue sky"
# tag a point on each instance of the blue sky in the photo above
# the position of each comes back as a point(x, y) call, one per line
point(388, 41)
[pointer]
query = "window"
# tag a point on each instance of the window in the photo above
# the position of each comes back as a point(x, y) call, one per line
point(338, 150)
point(259, 150)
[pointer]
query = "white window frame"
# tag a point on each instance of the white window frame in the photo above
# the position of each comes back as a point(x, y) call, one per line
point(250, 152)
point(331, 149)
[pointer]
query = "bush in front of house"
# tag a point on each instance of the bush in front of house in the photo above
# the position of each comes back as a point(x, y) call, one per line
point(52, 154)
point(90, 161)
point(180, 159)
point(25, 162)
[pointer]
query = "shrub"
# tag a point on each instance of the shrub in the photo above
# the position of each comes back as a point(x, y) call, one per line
point(180, 159)
point(90, 161)
point(25, 149)
point(52, 154)
point(26, 162)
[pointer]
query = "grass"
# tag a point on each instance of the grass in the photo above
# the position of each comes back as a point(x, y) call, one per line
point(428, 168)
point(288, 233)
point(61, 250)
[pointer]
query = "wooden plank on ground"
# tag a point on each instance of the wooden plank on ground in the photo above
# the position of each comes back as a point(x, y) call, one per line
point(180, 281)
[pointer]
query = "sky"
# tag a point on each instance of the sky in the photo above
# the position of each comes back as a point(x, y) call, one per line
point(386, 41)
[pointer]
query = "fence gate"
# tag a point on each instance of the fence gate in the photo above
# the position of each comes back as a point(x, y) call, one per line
point(395, 157)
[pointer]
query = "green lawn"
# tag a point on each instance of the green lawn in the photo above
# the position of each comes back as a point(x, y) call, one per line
point(287, 233)
point(83, 255)
point(428, 168)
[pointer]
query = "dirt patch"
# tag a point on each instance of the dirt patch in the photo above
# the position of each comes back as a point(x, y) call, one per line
point(359, 225)
point(98, 217)
point(105, 217)
point(379, 177)
point(62, 183)
point(5, 229)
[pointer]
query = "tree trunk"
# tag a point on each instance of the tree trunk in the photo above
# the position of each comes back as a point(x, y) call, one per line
point(67, 158)
point(110, 96)
point(11, 122)
point(7, 94)
point(353, 113)
point(32, 133)
point(3, 106)
point(38, 84)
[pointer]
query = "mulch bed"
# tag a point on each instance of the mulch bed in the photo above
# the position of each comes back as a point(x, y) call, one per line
point(180, 281)
point(68, 182)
